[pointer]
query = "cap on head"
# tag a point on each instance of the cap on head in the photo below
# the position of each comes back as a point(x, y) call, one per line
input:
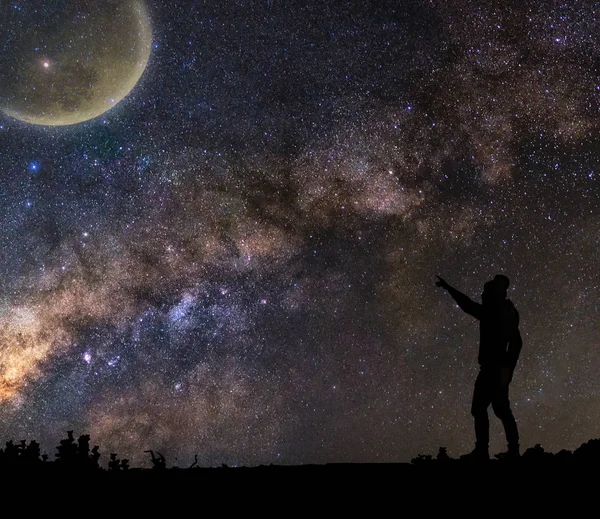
point(495, 290)
point(502, 281)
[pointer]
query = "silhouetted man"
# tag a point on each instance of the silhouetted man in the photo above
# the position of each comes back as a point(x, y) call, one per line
point(499, 347)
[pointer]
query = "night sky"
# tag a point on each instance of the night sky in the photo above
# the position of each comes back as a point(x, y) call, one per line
point(238, 260)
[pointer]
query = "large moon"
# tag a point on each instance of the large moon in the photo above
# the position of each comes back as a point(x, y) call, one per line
point(67, 61)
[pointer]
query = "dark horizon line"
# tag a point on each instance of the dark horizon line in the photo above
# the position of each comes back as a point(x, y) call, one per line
point(74, 454)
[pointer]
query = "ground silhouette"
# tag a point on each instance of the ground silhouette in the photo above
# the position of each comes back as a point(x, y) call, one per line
point(426, 483)
point(77, 457)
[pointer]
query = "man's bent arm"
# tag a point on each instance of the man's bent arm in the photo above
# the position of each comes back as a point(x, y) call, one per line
point(514, 349)
point(465, 302)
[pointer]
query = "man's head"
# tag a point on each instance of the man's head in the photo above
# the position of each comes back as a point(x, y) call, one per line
point(502, 281)
point(495, 290)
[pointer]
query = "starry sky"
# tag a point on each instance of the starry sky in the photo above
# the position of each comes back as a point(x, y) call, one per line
point(238, 260)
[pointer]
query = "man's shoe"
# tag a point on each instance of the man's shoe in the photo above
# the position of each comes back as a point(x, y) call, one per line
point(509, 455)
point(476, 455)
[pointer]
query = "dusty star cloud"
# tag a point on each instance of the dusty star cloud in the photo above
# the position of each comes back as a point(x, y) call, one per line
point(238, 260)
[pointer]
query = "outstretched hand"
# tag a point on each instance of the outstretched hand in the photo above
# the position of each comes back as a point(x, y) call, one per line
point(441, 283)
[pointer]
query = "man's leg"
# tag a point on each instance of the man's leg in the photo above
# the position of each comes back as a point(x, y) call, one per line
point(501, 407)
point(482, 397)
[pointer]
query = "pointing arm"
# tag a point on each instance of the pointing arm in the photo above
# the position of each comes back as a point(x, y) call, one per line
point(463, 301)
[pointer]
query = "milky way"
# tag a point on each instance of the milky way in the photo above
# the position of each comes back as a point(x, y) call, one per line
point(238, 261)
